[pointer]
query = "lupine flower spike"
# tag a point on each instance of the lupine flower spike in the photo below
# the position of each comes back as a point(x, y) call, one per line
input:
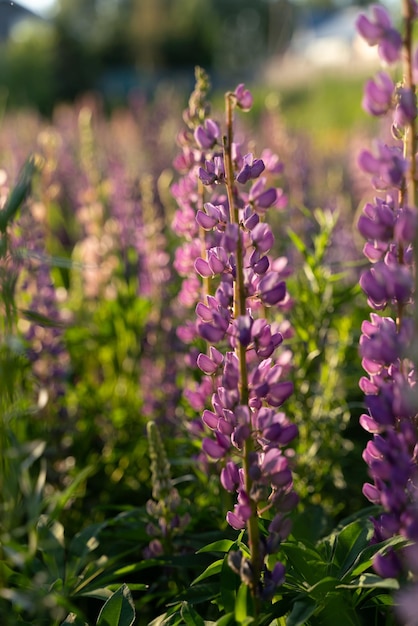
point(249, 430)
point(389, 340)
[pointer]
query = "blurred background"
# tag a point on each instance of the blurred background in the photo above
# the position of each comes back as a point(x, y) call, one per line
point(55, 50)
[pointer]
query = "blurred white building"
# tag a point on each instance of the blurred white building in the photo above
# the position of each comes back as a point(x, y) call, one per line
point(333, 42)
point(12, 14)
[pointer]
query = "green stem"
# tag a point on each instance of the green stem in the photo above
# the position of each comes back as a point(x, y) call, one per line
point(411, 134)
point(410, 146)
point(240, 309)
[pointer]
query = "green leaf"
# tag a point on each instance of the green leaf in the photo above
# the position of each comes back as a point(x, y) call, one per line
point(119, 610)
point(302, 610)
point(73, 620)
point(211, 570)
point(79, 550)
point(365, 557)
point(62, 498)
point(310, 525)
point(241, 605)
point(39, 319)
point(349, 542)
point(19, 194)
point(297, 242)
point(190, 616)
point(384, 599)
point(229, 585)
point(307, 563)
point(226, 620)
point(324, 586)
point(371, 581)
point(200, 593)
point(338, 609)
point(51, 544)
point(223, 545)
point(101, 593)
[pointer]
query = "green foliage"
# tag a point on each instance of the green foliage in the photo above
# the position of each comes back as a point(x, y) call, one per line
point(327, 580)
point(27, 67)
point(326, 368)
point(311, 108)
point(119, 609)
point(75, 513)
point(42, 573)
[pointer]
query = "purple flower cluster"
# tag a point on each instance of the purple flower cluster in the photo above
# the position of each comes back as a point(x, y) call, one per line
point(229, 247)
point(389, 225)
point(43, 307)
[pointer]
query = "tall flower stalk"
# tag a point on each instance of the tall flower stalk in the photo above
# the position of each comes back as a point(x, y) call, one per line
point(388, 343)
point(240, 281)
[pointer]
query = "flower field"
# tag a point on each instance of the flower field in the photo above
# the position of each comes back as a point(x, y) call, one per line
point(208, 348)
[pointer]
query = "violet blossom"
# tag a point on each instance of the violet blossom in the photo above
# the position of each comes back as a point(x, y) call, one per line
point(245, 418)
point(389, 226)
point(380, 31)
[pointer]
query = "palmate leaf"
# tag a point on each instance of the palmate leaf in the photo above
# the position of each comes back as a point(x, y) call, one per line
point(305, 563)
point(354, 538)
point(119, 610)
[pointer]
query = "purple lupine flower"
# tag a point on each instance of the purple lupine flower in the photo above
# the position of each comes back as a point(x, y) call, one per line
point(377, 221)
point(216, 449)
point(259, 264)
point(384, 283)
point(261, 197)
point(250, 218)
point(234, 261)
point(218, 260)
point(212, 216)
point(406, 227)
point(207, 135)
point(272, 161)
point(271, 289)
point(378, 94)
point(262, 237)
point(214, 320)
point(381, 33)
point(406, 108)
point(388, 167)
point(210, 364)
point(251, 168)
point(385, 346)
point(213, 171)
point(406, 605)
point(244, 97)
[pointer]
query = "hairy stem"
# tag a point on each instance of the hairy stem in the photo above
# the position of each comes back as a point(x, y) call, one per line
point(240, 309)
point(411, 139)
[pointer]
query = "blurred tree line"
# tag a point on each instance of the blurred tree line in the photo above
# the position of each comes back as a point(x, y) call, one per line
point(88, 42)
